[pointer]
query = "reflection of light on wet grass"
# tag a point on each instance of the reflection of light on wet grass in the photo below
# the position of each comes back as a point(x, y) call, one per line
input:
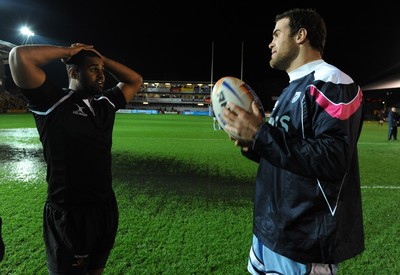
point(21, 155)
point(19, 132)
point(20, 137)
point(26, 170)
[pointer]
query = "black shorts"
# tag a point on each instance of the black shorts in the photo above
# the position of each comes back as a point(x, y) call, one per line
point(81, 238)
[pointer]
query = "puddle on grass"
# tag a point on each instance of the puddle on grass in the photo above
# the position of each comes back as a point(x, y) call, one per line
point(21, 157)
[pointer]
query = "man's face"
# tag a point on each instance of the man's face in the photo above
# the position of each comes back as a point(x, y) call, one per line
point(91, 76)
point(283, 46)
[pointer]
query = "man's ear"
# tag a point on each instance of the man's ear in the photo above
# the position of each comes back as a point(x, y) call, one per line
point(301, 35)
point(73, 73)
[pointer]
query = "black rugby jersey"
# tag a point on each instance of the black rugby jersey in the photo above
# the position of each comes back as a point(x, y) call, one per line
point(307, 197)
point(76, 135)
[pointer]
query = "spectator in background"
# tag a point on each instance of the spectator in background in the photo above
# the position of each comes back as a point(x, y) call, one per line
point(380, 117)
point(216, 125)
point(393, 122)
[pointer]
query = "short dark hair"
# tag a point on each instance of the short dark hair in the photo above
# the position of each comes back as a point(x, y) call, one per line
point(310, 20)
point(78, 58)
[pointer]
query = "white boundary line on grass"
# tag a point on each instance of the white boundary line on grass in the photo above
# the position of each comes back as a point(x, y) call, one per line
point(379, 143)
point(380, 187)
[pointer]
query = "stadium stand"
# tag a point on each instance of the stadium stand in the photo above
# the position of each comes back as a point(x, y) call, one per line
point(181, 97)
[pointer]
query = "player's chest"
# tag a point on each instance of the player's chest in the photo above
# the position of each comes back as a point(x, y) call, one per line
point(81, 118)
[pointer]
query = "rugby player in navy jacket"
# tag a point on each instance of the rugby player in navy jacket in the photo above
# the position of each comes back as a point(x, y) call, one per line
point(75, 125)
point(307, 205)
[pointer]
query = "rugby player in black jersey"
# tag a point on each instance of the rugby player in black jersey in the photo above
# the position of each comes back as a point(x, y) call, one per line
point(75, 125)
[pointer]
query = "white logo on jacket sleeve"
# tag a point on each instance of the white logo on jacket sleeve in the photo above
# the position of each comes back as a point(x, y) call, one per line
point(296, 97)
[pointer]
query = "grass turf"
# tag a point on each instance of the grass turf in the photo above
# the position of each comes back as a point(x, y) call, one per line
point(185, 198)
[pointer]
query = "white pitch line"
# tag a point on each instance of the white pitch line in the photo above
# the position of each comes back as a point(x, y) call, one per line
point(380, 187)
point(379, 143)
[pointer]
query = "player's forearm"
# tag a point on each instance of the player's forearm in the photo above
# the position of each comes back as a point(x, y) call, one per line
point(121, 72)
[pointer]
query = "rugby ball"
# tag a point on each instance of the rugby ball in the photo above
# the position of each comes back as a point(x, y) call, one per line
point(232, 89)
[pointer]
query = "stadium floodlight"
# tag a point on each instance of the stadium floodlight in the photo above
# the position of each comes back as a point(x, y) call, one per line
point(27, 33)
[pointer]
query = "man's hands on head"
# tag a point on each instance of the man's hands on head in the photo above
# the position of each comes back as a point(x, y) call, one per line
point(76, 48)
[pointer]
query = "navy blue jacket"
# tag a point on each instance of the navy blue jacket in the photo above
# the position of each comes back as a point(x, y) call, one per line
point(393, 119)
point(307, 203)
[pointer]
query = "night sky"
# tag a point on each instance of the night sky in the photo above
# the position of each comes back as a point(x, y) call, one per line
point(171, 41)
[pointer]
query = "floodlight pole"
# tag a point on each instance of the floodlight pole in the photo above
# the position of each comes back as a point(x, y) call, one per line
point(212, 61)
point(241, 63)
